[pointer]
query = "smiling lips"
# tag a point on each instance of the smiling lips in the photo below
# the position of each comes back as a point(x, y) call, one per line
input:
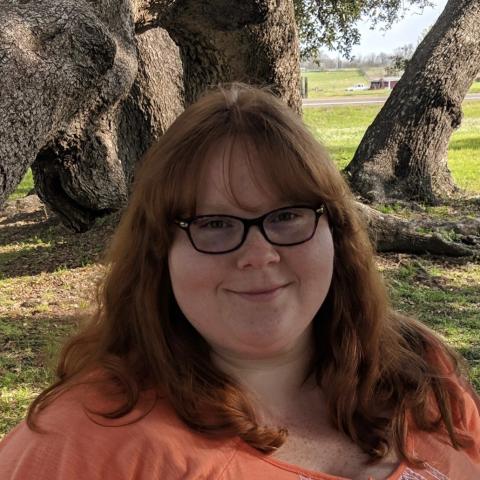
point(263, 294)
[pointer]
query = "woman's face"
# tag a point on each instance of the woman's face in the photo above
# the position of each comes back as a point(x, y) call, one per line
point(218, 294)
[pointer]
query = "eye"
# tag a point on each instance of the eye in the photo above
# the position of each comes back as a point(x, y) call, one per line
point(213, 223)
point(284, 216)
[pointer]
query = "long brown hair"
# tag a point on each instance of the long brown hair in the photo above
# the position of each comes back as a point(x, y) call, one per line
point(377, 363)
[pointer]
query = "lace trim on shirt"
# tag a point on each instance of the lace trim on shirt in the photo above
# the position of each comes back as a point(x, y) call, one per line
point(429, 473)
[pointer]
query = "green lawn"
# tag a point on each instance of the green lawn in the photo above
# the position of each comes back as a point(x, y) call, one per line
point(341, 129)
point(475, 88)
point(333, 83)
point(443, 293)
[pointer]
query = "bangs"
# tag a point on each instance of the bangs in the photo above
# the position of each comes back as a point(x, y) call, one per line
point(283, 168)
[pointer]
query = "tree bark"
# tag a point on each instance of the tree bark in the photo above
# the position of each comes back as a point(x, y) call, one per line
point(390, 233)
point(403, 154)
point(80, 110)
point(65, 68)
point(155, 100)
point(254, 41)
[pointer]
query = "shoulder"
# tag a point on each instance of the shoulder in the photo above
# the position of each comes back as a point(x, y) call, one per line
point(464, 401)
point(149, 442)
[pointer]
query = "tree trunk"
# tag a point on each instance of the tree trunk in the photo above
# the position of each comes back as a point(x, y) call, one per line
point(58, 71)
point(403, 154)
point(156, 99)
point(254, 41)
point(65, 69)
point(80, 111)
point(390, 233)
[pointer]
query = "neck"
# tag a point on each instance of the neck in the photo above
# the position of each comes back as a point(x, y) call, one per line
point(275, 383)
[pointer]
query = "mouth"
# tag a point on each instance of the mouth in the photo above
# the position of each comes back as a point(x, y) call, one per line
point(263, 294)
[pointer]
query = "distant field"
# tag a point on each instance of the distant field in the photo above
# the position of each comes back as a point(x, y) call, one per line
point(341, 129)
point(335, 82)
point(475, 88)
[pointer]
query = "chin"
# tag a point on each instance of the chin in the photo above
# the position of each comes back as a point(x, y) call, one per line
point(257, 348)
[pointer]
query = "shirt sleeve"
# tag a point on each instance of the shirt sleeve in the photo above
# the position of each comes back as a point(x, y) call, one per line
point(471, 423)
point(468, 407)
point(73, 445)
point(100, 454)
point(148, 443)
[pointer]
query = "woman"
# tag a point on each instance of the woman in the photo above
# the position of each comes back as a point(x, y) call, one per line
point(242, 329)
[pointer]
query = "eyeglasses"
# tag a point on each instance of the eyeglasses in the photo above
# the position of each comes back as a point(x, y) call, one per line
point(285, 227)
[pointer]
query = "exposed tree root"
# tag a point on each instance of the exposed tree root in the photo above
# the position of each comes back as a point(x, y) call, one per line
point(391, 233)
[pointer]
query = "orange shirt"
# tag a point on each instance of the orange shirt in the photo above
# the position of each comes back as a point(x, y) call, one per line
point(153, 443)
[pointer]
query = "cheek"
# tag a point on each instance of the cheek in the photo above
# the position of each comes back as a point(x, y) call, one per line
point(194, 279)
point(182, 272)
point(316, 270)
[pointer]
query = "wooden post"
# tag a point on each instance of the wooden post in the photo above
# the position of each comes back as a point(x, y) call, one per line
point(304, 87)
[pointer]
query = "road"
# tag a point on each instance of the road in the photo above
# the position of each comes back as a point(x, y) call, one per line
point(360, 100)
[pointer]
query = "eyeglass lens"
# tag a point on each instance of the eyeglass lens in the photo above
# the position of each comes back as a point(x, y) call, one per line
point(219, 233)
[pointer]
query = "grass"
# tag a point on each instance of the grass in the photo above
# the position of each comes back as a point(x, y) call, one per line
point(331, 83)
point(475, 88)
point(341, 129)
point(334, 83)
point(47, 280)
point(444, 295)
point(24, 187)
point(28, 345)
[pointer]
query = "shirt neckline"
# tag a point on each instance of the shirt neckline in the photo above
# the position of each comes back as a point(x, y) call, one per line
point(306, 474)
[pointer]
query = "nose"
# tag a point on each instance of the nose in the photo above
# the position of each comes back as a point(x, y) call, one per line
point(256, 251)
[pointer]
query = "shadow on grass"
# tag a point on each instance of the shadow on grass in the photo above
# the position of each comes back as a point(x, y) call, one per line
point(47, 246)
point(27, 217)
point(29, 347)
point(47, 258)
point(468, 205)
point(449, 308)
point(32, 341)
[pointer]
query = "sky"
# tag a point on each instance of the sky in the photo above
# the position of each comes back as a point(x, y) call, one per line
point(406, 31)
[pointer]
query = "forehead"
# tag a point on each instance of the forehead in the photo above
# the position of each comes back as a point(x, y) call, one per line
point(233, 177)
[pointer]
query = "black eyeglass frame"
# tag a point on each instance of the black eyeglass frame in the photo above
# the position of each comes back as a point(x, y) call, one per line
point(184, 224)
